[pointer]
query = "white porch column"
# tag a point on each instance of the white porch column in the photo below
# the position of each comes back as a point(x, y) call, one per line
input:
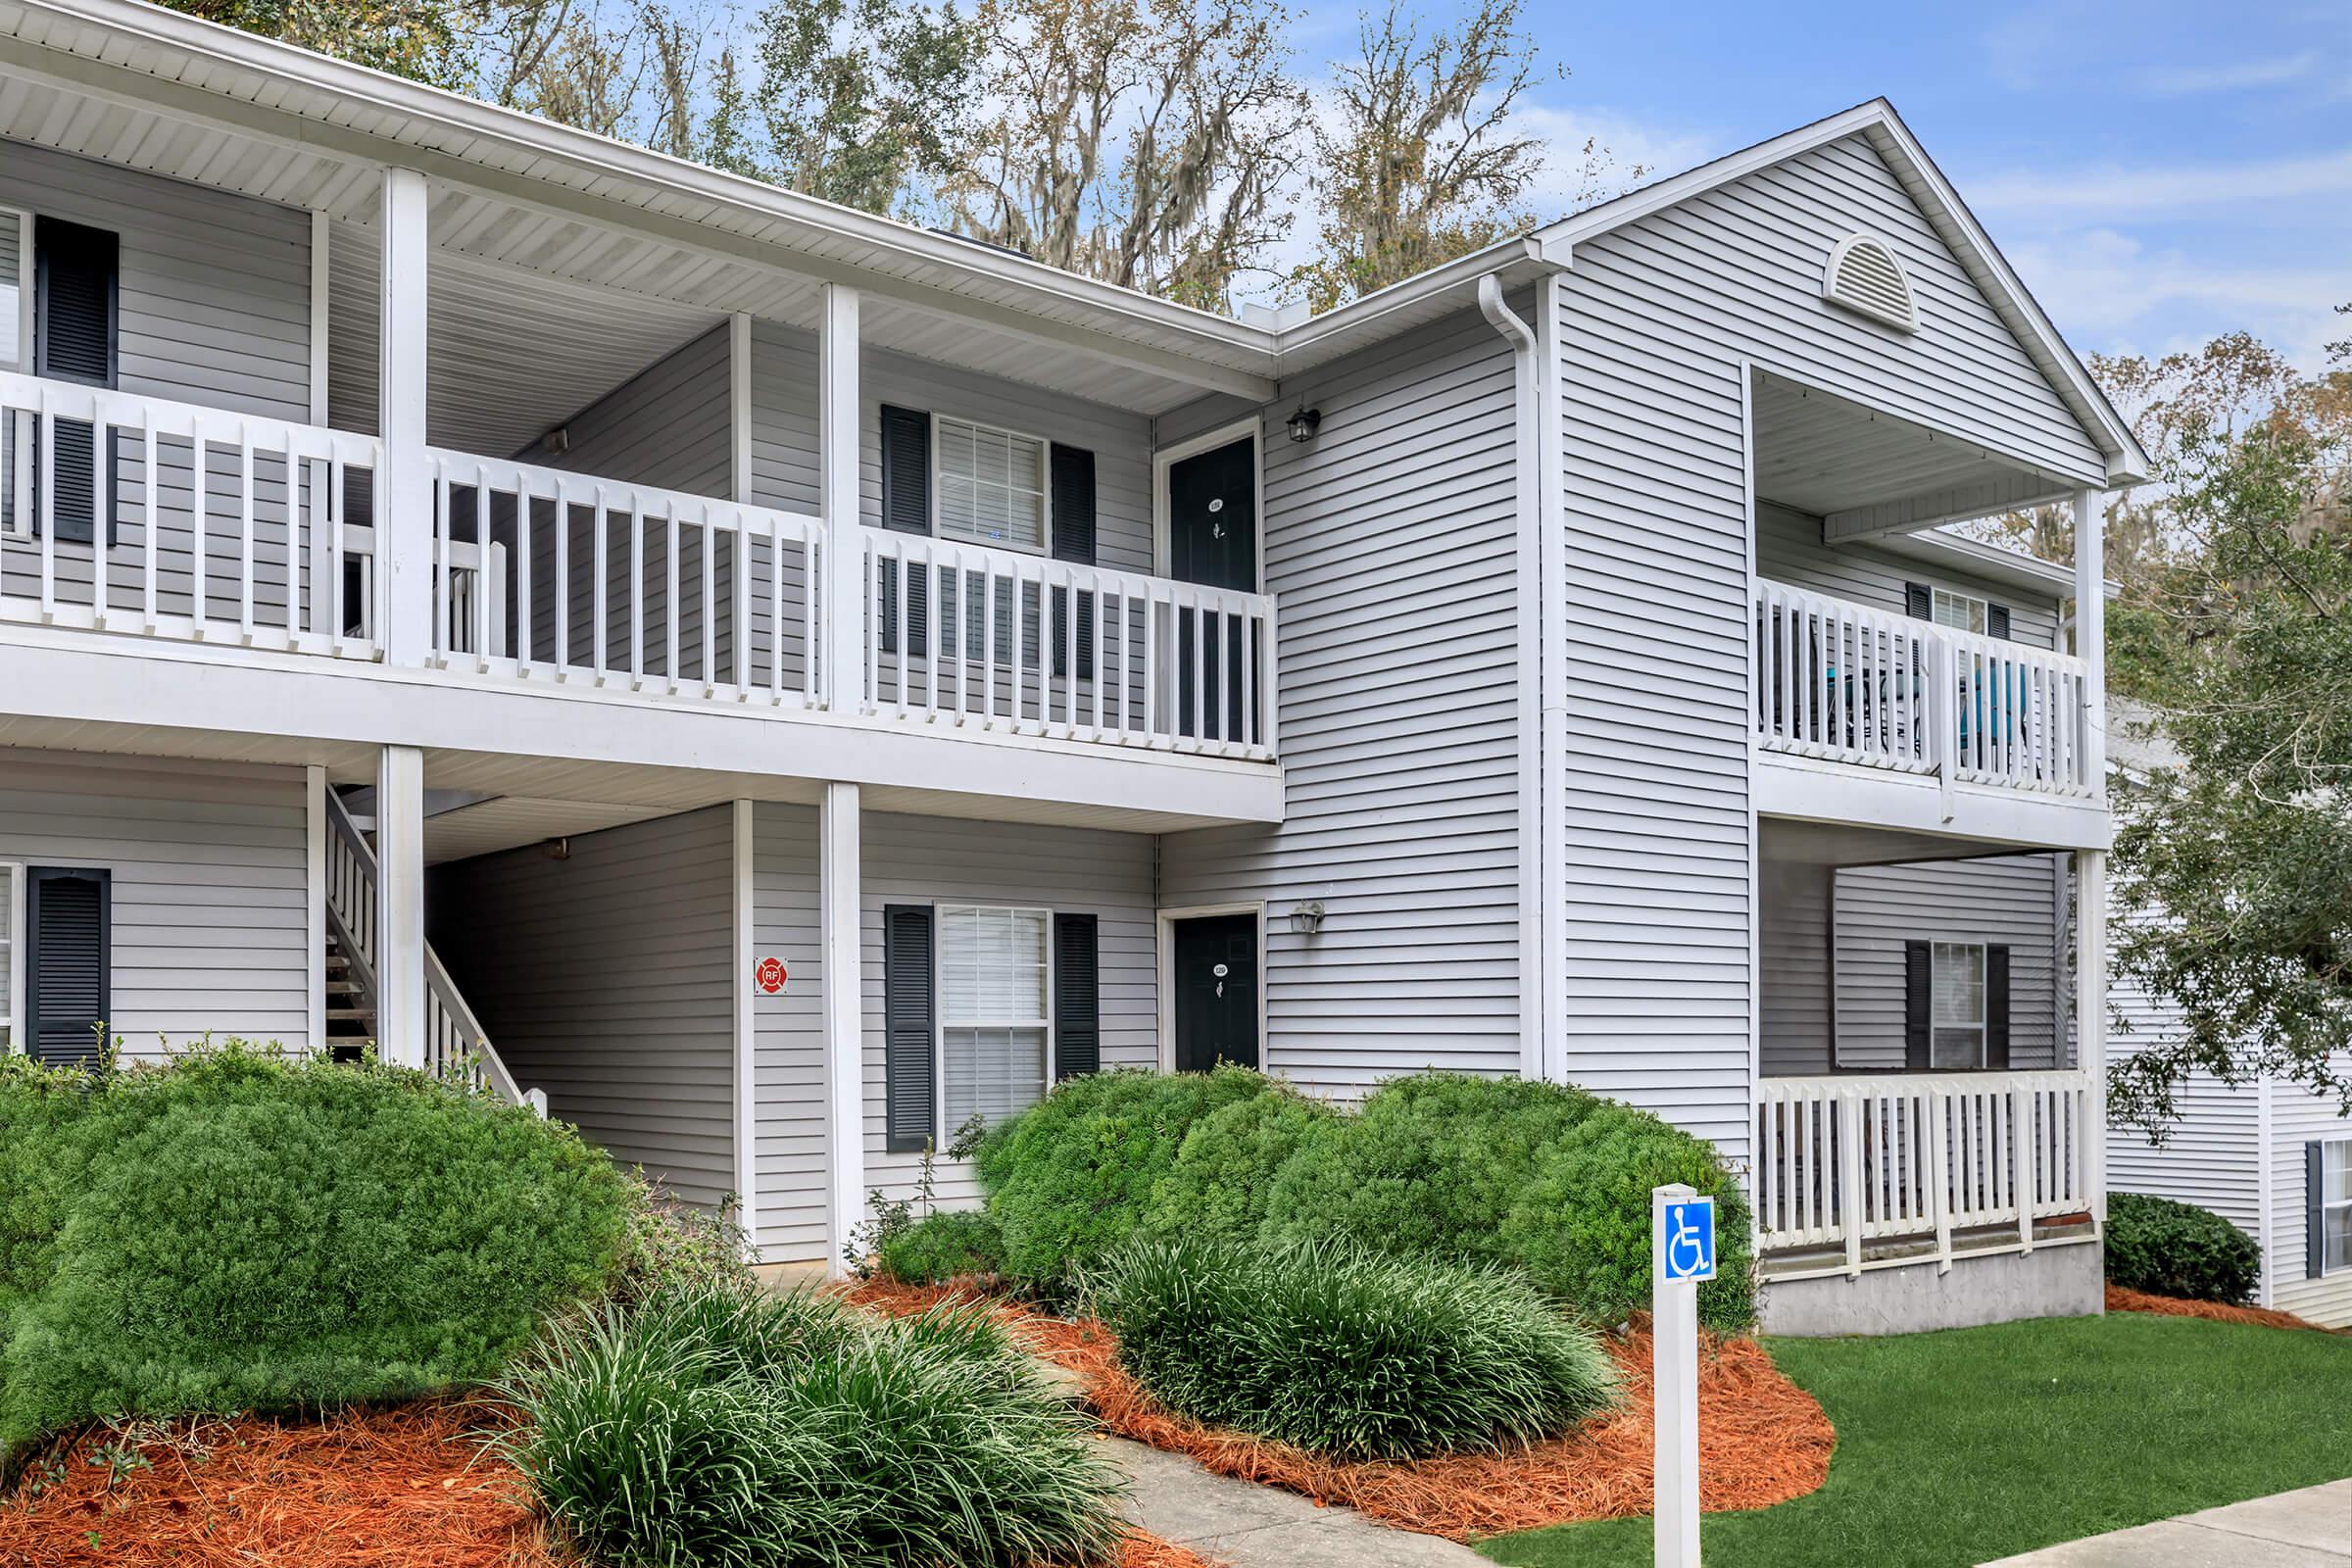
point(844, 599)
point(2090, 865)
point(404, 492)
point(840, 915)
point(400, 905)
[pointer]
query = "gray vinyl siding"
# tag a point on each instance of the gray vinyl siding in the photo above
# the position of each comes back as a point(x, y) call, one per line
point(1789, 550)
point(784, 432)
point(926, 859)
point(669, 425)
point(1654, 322)
point(2011, 900)
point(1794, 951)
point(789, 1139)
point(1390, 541)
point(213, 307)
point(603, 979)
point(2298, 1117)
point(211, 891)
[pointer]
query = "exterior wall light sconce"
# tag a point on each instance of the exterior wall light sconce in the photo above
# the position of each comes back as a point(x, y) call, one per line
point(1304, 422)
point(1307, 918)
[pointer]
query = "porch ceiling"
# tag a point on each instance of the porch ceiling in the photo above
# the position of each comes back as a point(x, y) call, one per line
point(1864, 470)
point(1782, 840)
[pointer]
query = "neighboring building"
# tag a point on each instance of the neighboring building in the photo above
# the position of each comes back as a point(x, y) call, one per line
point(815, 679)
point(2267, 1155)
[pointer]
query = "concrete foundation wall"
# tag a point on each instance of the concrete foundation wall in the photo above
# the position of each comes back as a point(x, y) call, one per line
point(2054, 1280)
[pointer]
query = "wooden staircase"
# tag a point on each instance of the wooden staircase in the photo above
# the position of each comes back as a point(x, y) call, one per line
point(350, 1010)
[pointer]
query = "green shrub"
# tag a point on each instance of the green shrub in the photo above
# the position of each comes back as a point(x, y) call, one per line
point(1580, 1225)
point(1071, 1177)
point(944, 1246)
point(252, 1231)
point(1430, 1166)
point(2170, 1249)
point(717, 1425)
point(40, 1167)
point(1345, 1351)
point(1222, 1183)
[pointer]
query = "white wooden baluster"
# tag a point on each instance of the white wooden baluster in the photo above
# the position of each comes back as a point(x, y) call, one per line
point(245, 529)
point(709, 670)
point(151, 480)
point(669, 603)
point(48, 524)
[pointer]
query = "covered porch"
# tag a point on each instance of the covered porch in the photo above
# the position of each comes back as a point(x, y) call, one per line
point(1927, 1091)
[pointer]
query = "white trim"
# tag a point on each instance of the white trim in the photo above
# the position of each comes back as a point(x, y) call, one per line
point(1553, 716)
point(944, 1131)
point(1528, 667)
point(404, 485)
point(400, 1003)
point(1252, 428)
point(1164, 974)
point(840, 916)
point(739, 403)
point(1748, 768)
point(1905, 319)
point(1983, 1026)
point(320, 275)
point(20, 522)
point(11, 1006)
point(746, 1074)
point(314, 904)
point(2265, 1183)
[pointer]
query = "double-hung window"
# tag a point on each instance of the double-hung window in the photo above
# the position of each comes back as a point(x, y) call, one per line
point(995, 1011)
point(1961, 612)
point(1959, 1011)
point(12, 948)
point(2335, 1209)
point(992, 485)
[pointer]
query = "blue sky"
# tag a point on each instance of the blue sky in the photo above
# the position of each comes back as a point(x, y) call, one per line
point(2157, 173)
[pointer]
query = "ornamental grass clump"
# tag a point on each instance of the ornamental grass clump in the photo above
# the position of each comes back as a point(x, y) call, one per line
point(714, 1423)
point(1348, 1352)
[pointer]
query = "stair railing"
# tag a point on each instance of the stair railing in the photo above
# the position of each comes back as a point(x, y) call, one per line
point(456, 1048)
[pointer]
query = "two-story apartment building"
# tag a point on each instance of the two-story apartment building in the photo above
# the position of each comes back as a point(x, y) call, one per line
point(775, 683)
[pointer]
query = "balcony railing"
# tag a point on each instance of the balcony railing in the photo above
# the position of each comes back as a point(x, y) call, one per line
point(132, 514)
point(127, 513)
point(997, 639)
point(1847, 1161)
point(1848, 683)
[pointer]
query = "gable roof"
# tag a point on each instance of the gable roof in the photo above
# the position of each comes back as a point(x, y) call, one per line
point(1945, 212)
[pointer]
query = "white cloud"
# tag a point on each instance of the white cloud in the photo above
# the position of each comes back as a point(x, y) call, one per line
point(1628, 145)
point(2107, 290)
point(2114, 191)
point(2182, 80)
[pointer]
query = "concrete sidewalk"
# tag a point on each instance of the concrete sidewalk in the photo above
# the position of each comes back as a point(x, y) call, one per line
point(2307, 1529)
point(1250, 1526)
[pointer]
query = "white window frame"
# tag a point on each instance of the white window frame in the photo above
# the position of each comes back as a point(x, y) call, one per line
point(1045, 492)
point(940, 1024)
point(12, 962)
point(1251, 429)
point(1978, 612)
point(2335, 1154)
point(1983, 1024)
point(19, 521)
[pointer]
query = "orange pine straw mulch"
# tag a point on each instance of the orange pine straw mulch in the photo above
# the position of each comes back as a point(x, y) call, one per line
point(406, 1487)
point(1762, 1439)
point(2120, 1300)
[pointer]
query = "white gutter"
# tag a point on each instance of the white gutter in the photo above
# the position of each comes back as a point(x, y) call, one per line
point(1536, 947)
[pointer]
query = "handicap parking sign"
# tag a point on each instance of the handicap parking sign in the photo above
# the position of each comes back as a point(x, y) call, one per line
point(1687, 1241)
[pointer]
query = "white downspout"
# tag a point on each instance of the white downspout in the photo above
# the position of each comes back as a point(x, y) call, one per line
point(1534, 947)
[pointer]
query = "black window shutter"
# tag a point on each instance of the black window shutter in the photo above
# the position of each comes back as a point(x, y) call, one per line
point(75, 339)
point(1917, 986)
point(907, 509)
point(1996, 621)
point(68, 918)
point(907, 990)
point(1997, 1007)
point(1077, 996)
point(1919, 601)
point(2315, 1210)
point(1073, 487)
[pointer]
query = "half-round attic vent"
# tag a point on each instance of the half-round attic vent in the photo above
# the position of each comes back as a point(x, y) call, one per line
point(1864, 277)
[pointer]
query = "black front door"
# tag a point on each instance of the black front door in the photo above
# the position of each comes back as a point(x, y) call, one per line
point(1212, 540)
point(1216, 992)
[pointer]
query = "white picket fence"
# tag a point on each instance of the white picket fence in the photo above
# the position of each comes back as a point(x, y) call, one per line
point(1848, 683)
point(1001, 639)
point(1846, 1160)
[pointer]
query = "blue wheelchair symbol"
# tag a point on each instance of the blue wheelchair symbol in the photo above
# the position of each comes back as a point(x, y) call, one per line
point(1691, 1240)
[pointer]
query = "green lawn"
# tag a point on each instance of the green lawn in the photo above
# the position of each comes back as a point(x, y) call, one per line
point(1973, 1444)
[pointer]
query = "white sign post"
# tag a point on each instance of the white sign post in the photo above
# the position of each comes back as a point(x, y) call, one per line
point(1682, 1231)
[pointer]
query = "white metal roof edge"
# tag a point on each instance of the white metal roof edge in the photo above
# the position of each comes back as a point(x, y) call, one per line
point(1989, 560)
point(2127, 463)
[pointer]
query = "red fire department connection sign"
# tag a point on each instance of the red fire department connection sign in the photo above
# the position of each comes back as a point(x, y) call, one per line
point(769, 976)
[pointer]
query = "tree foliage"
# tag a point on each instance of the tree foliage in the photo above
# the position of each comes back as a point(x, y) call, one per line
point(2233, 885)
